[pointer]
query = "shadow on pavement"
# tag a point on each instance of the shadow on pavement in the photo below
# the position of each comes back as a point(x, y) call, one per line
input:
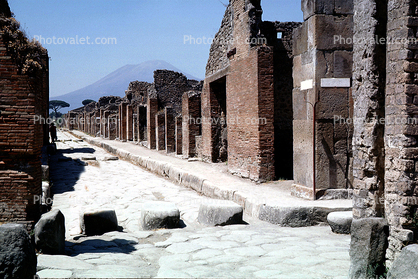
point(65, 171)
point(122, 246)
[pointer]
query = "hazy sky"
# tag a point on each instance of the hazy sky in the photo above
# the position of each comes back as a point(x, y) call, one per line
point(127, 32)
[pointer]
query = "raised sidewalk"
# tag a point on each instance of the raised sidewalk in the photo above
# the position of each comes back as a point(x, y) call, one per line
point(270, 202)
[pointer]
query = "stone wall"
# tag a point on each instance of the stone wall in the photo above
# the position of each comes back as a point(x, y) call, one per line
point(23, 106)
point(322, 92)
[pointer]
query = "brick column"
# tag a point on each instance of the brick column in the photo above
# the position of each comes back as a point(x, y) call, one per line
point(129, 123)
point(179, 135)
point(191, 111)
point(152, 109)
point(170, 142)
point(122, 121)
point(401, 129)
point(160, 131)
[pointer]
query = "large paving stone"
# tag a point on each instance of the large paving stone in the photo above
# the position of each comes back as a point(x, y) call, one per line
point(50, 233)
point(17, 254)
point(369, 241)
point(340, 221)
point(158, 215)
point(220, 213)
point(98, 222)
point(406, 264)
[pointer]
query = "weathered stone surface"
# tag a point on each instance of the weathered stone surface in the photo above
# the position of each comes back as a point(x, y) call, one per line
point(50, 233)
point(406, 264)
point(158, 215)
point(98, 222)
point(17, 254)
point(220, 213)
point(340, 221)
point(369, 241)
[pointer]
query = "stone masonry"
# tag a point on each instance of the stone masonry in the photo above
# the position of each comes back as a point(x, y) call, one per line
point(322, 92)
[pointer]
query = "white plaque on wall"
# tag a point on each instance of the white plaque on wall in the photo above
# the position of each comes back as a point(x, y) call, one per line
point(307, 84)
point(336, 82)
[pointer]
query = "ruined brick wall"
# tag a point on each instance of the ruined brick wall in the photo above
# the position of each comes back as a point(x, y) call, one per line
point(170, 86)
point(319, 60)
point(137, 92)
point(23, 94)
point(221, 45)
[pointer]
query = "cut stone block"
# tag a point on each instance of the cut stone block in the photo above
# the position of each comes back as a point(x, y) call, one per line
point(50, 233)
point(340, 221)
point(159, 215)
point(17, 254)
point(369, 241)
point(406, 264)
point(98, 222)
point(220, 213)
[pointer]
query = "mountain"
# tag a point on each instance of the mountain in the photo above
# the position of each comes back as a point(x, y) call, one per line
point(116, 83)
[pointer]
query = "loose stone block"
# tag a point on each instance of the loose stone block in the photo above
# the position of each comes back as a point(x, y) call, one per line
point(98, 222)
point(159, 215)
point(406, 264)
point(50, 233)
point(340, 221)
point(369, 241)
point(220, 213)
point(17, 254)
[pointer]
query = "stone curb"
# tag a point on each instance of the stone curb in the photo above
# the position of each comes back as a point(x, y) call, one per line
point(264, 212)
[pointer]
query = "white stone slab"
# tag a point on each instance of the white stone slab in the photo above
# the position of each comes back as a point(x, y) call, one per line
point(307, 84)
point(336, 82)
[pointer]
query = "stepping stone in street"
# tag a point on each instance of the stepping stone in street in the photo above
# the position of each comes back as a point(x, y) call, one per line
point(88, 158)
point(340, 221)
point(110, 158)
point(98, 222)
point(17, 255)
point(159, 215)
point(220, 213)
point(50, 233)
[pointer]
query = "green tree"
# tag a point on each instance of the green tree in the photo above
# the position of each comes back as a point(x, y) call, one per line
point(87, 101)
point(56, 105)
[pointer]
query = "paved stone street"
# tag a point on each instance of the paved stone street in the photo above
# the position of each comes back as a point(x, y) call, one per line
point(87, 177)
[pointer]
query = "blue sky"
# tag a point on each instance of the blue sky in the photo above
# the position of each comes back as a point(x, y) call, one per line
point(144, 30)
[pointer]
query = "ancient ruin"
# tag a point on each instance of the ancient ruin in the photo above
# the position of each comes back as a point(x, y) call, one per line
point(329, 103)
point(24, 94)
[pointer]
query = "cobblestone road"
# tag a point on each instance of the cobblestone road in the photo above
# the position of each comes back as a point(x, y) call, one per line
point(255, 250)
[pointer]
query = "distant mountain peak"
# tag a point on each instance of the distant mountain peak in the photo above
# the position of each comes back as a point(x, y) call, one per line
point(115, 83)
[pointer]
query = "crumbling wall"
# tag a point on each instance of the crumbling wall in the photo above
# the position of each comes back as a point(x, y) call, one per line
point(401, 133)
point(23, 98)
point(221, 45)
point(170, 86)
